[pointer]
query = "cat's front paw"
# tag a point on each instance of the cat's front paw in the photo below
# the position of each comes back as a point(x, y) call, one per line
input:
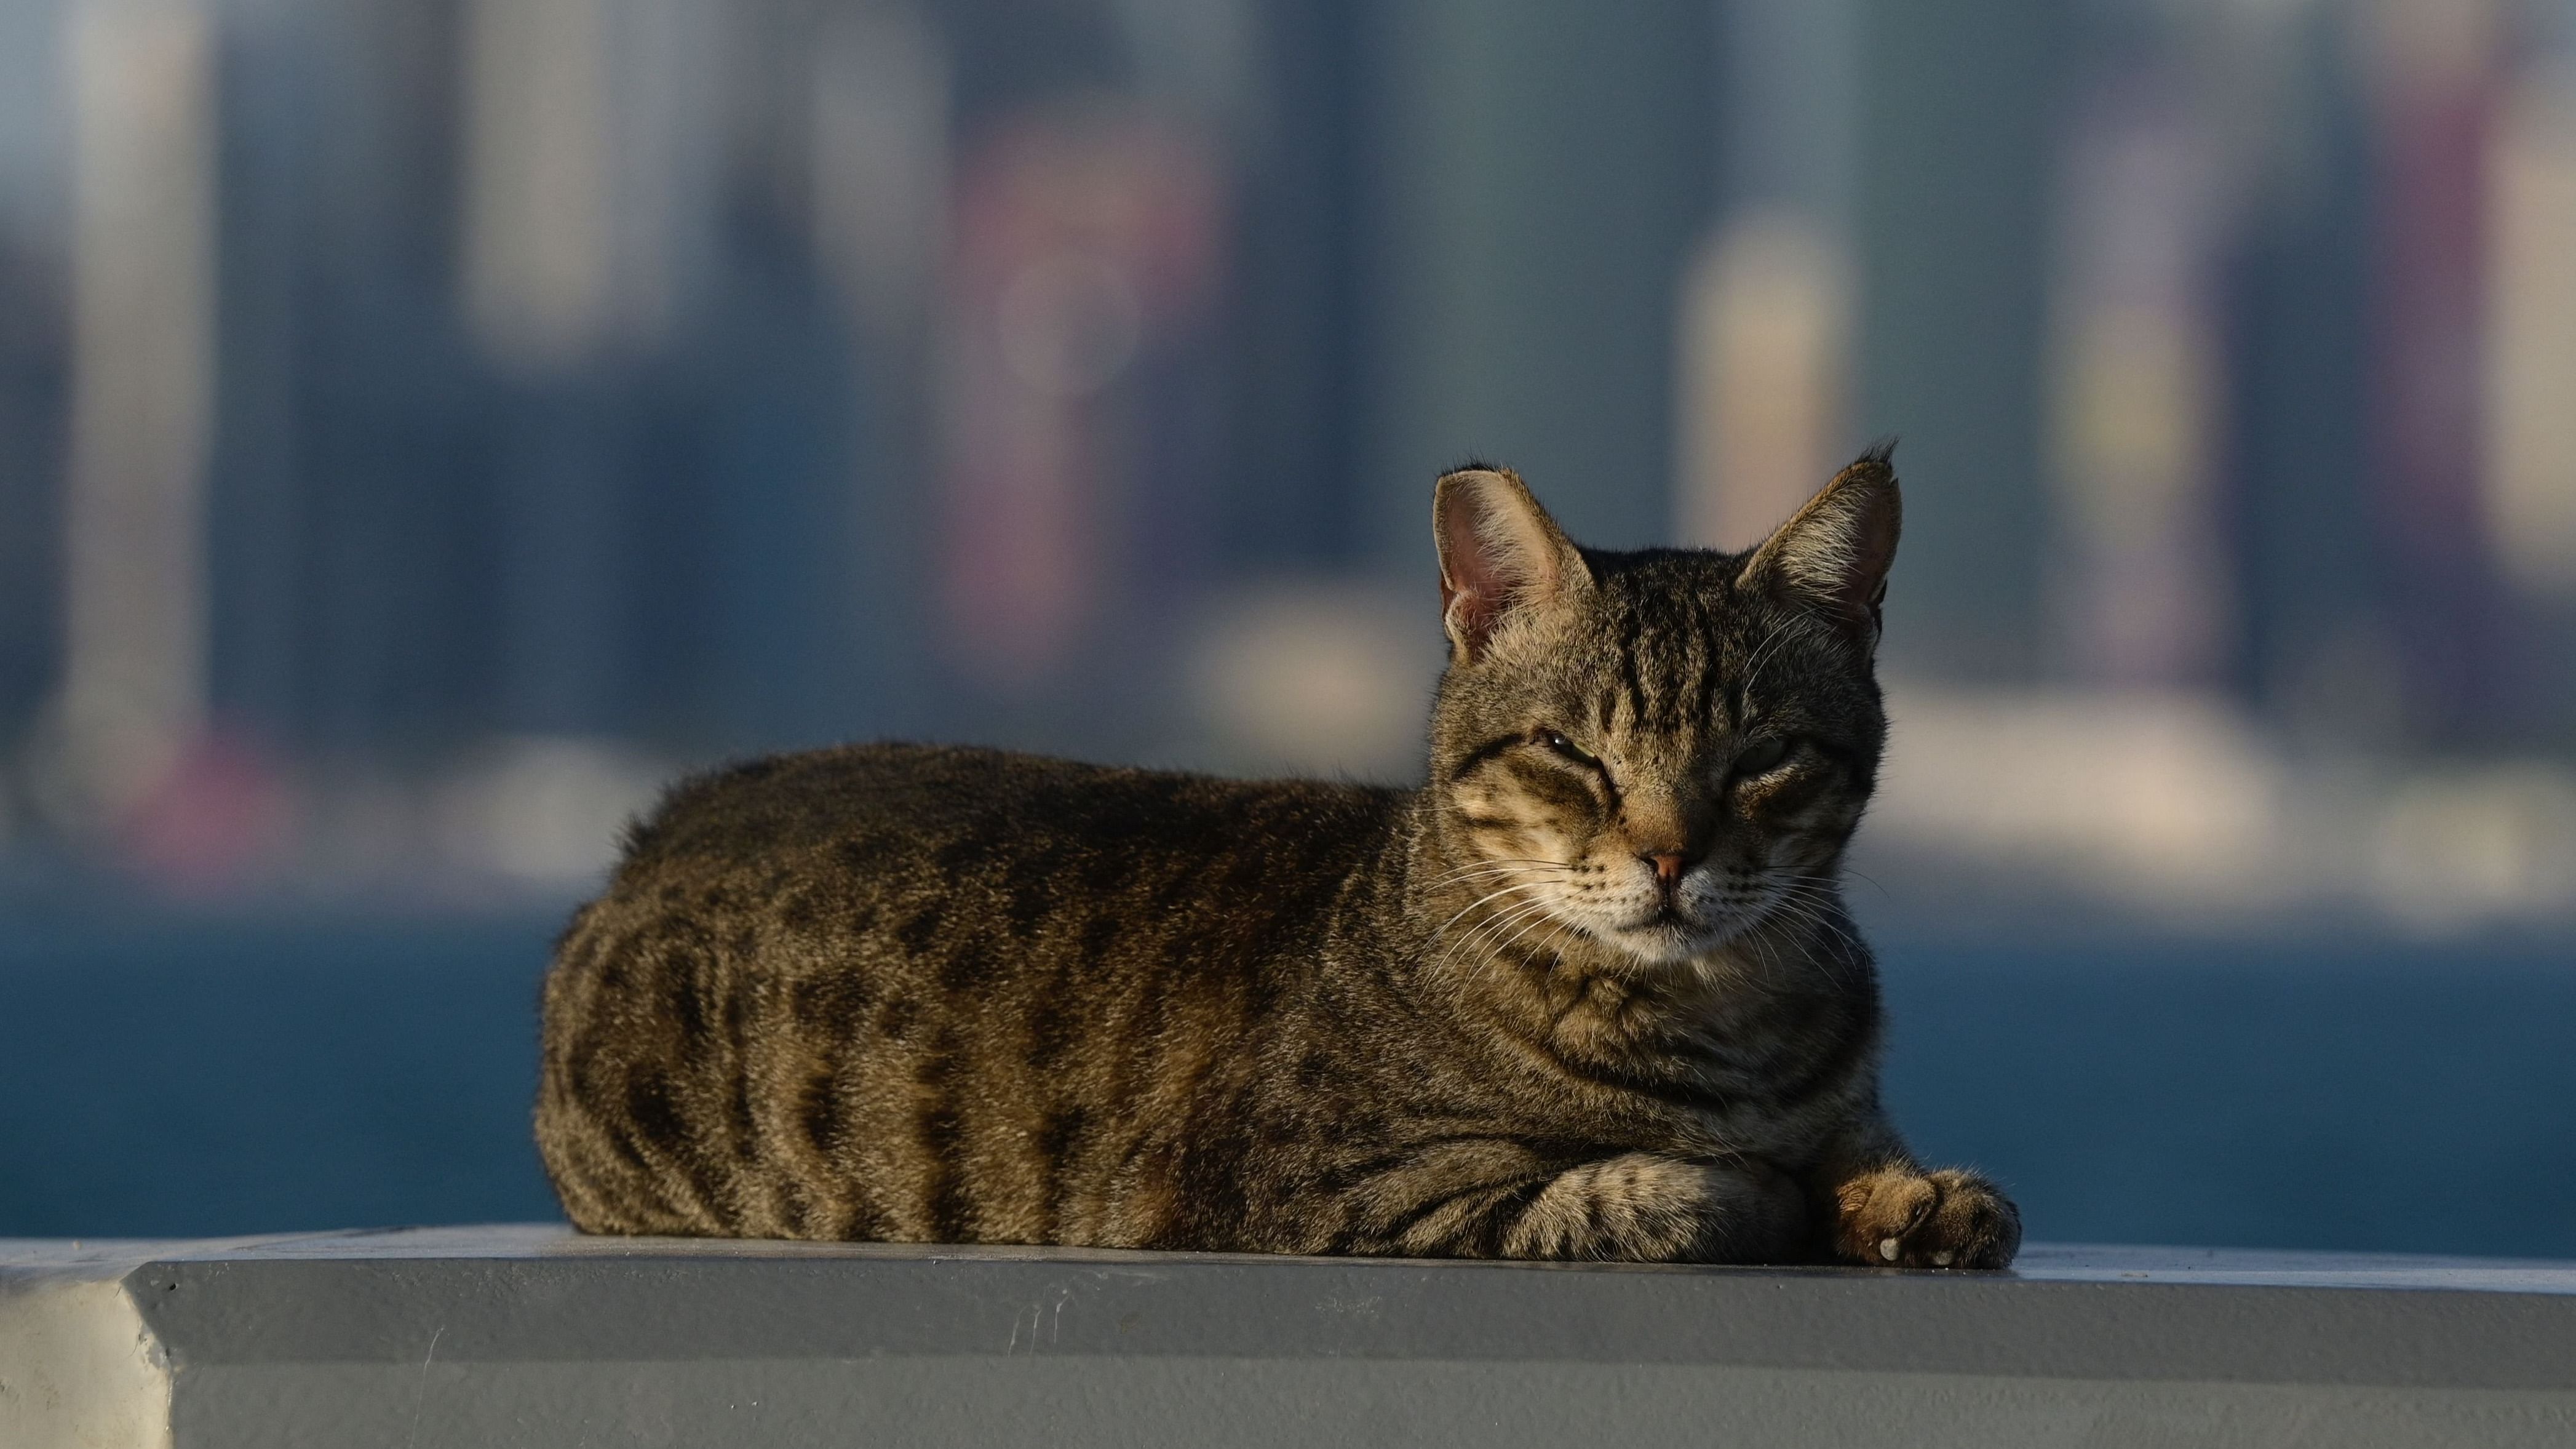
point(1946, 1219)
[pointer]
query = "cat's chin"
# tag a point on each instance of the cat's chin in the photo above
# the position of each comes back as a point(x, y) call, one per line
point(1668, 942)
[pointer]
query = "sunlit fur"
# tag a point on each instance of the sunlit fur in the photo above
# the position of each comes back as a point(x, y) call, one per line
point(934, 994)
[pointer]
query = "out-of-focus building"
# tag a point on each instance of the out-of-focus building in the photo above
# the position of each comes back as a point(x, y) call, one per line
point(425, 424)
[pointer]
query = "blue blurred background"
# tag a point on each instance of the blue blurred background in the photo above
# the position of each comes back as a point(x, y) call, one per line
point(427, 425)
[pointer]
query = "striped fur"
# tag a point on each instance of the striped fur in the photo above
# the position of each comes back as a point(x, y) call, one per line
point(1589, 993)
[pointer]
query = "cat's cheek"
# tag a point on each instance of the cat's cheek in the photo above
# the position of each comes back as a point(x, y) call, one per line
point(1802, 851)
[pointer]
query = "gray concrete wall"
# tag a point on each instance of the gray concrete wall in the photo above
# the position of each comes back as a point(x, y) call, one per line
point(531, 1336)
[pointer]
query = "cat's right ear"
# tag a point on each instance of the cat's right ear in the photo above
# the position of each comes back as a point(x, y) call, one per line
point(1834, 554)
point(1501, 556)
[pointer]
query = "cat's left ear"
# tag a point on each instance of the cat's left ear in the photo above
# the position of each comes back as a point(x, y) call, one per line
point(1834, 554)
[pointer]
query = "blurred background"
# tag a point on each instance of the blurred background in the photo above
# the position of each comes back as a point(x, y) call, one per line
point(428, 425)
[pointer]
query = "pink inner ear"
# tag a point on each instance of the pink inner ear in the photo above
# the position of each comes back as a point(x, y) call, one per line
point(1476, 579)
point(1499, 552)
point(1470, 570)
point(1463, 610)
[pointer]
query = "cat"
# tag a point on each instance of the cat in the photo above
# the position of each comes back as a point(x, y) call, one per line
point(1590, 993)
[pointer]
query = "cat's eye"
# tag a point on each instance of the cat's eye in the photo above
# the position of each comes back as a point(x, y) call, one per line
point(1760, 758)
point(1556, 740)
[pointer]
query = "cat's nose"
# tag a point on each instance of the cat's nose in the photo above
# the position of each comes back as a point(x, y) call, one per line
point(1668, 864)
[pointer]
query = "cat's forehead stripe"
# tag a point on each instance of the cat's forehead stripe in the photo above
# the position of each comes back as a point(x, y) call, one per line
point(1712, 676)
point(1625, 649)
point(1668, 650)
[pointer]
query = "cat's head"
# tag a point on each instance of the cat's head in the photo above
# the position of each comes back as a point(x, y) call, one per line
point(1659, 749)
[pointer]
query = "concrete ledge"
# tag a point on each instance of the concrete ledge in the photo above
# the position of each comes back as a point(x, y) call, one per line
point(535, 1336)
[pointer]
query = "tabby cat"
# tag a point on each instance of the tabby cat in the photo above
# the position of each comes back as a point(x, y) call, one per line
point(1590, 993)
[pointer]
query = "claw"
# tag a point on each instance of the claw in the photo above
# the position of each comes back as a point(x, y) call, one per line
point(1887, 1249)
point(1944, 1258)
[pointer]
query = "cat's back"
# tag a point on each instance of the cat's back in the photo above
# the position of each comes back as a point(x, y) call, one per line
point(860, 992)
point(887, 813)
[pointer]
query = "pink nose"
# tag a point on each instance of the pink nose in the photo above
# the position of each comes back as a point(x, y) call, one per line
point(1668, 865)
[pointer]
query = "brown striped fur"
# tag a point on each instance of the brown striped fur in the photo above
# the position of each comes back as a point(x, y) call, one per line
point(1590, 993)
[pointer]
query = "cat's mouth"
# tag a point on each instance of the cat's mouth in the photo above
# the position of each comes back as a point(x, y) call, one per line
point(1667, 931)
point(1670, 932)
